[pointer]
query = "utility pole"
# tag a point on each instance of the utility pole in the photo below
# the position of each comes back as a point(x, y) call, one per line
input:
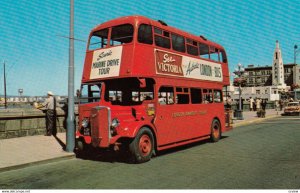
point(295, 53)
point(5, 100)
point(70, 145)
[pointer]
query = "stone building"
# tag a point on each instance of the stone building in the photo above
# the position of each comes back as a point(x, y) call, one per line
point(262, 75)
point(268, 81)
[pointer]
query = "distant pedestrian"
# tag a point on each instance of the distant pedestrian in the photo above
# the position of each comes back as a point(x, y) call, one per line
point(251, 101)
point(50, 105)
point(264, 104)
point(242, 103)
point(280, 104)
point(258, 104)
point(254, 104)
point(228, 102)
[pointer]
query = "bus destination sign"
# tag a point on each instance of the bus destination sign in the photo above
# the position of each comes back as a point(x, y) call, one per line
point(106, 63)
point(183, 66)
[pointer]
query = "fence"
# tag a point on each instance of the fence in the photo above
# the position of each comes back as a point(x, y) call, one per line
point(27, 121)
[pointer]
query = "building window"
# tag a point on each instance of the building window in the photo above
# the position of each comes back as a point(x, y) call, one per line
point(257, 91)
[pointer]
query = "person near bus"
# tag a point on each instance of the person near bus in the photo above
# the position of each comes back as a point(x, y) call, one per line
point(258, 104)
point(251, 101)
point(228, 102)
point(264, 104)
point(50, 106)
point(280, 104)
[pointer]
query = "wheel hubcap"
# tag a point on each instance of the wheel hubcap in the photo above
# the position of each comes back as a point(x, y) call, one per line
point(145, 145)
point(216, 131)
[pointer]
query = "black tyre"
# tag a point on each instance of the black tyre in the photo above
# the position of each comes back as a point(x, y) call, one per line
point(215, 131)
point(82, 150)
point(141, 148)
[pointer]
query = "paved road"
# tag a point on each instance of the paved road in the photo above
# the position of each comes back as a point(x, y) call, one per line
point(259, 156)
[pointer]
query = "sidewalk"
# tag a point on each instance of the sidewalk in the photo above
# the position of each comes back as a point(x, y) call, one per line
point(251, 117)
point(20, 152)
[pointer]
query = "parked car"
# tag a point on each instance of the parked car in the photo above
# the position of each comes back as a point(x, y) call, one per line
point(292, 108)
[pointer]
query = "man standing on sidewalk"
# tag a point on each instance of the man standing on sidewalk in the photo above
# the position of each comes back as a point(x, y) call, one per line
point(251, 101)
point(50, 105)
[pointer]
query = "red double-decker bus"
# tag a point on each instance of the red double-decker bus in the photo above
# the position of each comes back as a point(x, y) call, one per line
point(147, 86)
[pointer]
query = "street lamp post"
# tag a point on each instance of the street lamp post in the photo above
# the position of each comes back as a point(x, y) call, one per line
point(240, 73)
point(70, 140)
point(4, 76)
point(295, 53)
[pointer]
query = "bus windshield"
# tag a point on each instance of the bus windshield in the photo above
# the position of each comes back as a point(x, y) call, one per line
point(128, 91)
point(120, 34)
point(90, 93)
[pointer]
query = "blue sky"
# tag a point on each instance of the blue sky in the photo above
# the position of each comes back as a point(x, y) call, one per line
point(37, 58)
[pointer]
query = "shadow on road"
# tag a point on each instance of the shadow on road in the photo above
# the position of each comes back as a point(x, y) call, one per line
point(124, 156)
point(185, 147)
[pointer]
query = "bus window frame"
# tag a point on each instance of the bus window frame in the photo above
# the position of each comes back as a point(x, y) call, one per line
point(101, 47)
point(168, 95)
point(152, 34)
point(182, 91)
point(121, 43)
point(164, 35)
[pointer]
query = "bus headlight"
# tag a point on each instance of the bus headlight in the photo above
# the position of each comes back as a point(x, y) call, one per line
point(85, 123)
point(115, 123)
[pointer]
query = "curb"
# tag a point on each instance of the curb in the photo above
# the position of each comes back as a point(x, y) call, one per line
point(243, 123)
point(51, 160)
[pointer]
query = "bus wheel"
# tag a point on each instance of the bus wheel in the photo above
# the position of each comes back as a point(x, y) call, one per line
point(82, 150)
point(141, 148)
point(215, 131)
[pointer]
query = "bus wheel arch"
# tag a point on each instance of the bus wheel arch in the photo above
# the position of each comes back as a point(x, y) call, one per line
point(216, 130)
point(142, 147)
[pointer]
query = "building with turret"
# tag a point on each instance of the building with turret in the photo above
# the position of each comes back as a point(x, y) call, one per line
point(277, 68)
point(268, 81)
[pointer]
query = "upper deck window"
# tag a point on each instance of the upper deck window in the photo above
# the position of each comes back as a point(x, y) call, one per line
point(223, 56)
point(121, 34)
point(162, 38)
point(145, 34)
point(214, 54)
point(178, 43)
point(98, 39)
point(192, 47)
point(204, 50)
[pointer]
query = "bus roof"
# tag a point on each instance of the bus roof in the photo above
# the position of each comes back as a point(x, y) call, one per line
point(137, 19)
